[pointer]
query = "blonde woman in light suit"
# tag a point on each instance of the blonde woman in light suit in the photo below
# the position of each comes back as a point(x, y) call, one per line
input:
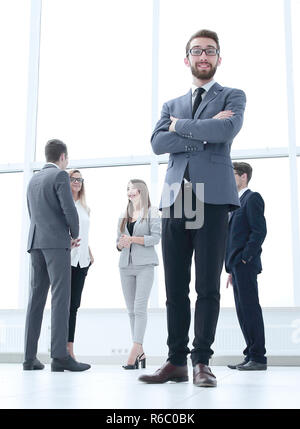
point(139, 230)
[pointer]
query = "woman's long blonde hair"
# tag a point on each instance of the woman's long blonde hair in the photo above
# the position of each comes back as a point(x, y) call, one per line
point(145, 203)
point(81, 193)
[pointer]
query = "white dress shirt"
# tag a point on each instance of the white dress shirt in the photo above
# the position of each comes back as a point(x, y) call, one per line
point(52, 163)
point(81, 254)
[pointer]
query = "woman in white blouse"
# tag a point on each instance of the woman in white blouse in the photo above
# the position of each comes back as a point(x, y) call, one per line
point(81, 257)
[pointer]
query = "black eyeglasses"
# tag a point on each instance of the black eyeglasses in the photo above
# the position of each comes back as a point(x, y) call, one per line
point(210, 52)
point(76, 179)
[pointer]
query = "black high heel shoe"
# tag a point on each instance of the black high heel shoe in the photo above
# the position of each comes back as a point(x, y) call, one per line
point(143, 361)
point(134, 366)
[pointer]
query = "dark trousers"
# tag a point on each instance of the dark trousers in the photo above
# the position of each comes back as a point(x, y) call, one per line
point(77, 282)
point(208, 245)
point(249, 313)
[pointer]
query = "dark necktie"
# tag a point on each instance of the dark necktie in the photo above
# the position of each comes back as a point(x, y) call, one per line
point(198, 100)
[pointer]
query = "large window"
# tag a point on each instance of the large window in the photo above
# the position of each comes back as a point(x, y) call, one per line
point(106, 195)
point(296, 63)
point(14, 48)
point(10, 220)
point(252, 44)
point(95, 77)
point(97, 92)
point(271, 179)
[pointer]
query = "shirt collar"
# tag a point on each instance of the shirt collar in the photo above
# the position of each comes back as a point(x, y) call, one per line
point(52, 163)
point(242, 191)
point(207, 86)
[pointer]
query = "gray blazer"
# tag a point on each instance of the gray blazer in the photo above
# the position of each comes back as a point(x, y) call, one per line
point(201, 143)
point(53, 215)
point(150, 229)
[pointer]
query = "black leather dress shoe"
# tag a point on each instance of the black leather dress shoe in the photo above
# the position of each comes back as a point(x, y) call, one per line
point(32, 364)
point(68, 364)
point(253, 366)
point(237, 365)
point(167, 372)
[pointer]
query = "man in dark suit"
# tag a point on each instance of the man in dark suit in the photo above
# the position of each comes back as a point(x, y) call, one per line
point(247, 231)
point(54, 228)
point(197, 131)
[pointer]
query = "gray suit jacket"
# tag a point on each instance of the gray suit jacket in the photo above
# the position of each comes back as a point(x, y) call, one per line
point(203, 143)
point(53, 215)
point(150, 229)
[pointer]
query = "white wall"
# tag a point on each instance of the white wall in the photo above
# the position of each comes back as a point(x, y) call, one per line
point(103, 336)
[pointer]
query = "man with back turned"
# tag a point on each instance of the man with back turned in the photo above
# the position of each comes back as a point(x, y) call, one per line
point(54, 228)
point(197, 131)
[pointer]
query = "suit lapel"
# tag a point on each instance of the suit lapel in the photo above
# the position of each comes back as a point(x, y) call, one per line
point(136, 223)
point(241, 201)
point(138, 220)
point(244, 194)
point(212, 93)
point(186, 105)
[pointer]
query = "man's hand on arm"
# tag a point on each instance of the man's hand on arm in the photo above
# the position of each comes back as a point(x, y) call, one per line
point(224, 114)
point(229, 280)
point(75, 242)
point(173, 123)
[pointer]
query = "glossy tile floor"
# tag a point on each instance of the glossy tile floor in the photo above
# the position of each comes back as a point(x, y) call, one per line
point(105, 386)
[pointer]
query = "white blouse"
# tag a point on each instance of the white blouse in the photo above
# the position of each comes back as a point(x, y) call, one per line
point(81, 254)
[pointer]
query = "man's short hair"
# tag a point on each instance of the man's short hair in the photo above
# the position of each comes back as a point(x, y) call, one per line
point(241, 168)
point(53, 150)
point(203, 33)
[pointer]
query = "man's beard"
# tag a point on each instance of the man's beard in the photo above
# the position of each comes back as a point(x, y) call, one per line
point(204, 74)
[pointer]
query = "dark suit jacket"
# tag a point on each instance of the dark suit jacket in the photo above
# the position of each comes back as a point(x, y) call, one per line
point(53, 215)
point(246, 232)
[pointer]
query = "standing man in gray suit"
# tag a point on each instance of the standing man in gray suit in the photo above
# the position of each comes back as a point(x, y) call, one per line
point(54, 228)
point(197, 131)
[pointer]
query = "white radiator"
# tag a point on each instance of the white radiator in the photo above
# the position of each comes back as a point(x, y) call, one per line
point(12, 339)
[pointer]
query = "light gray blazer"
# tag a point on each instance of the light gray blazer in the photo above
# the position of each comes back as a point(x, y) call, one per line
point(53, 215)
point(201, 143)
point(150, 229)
